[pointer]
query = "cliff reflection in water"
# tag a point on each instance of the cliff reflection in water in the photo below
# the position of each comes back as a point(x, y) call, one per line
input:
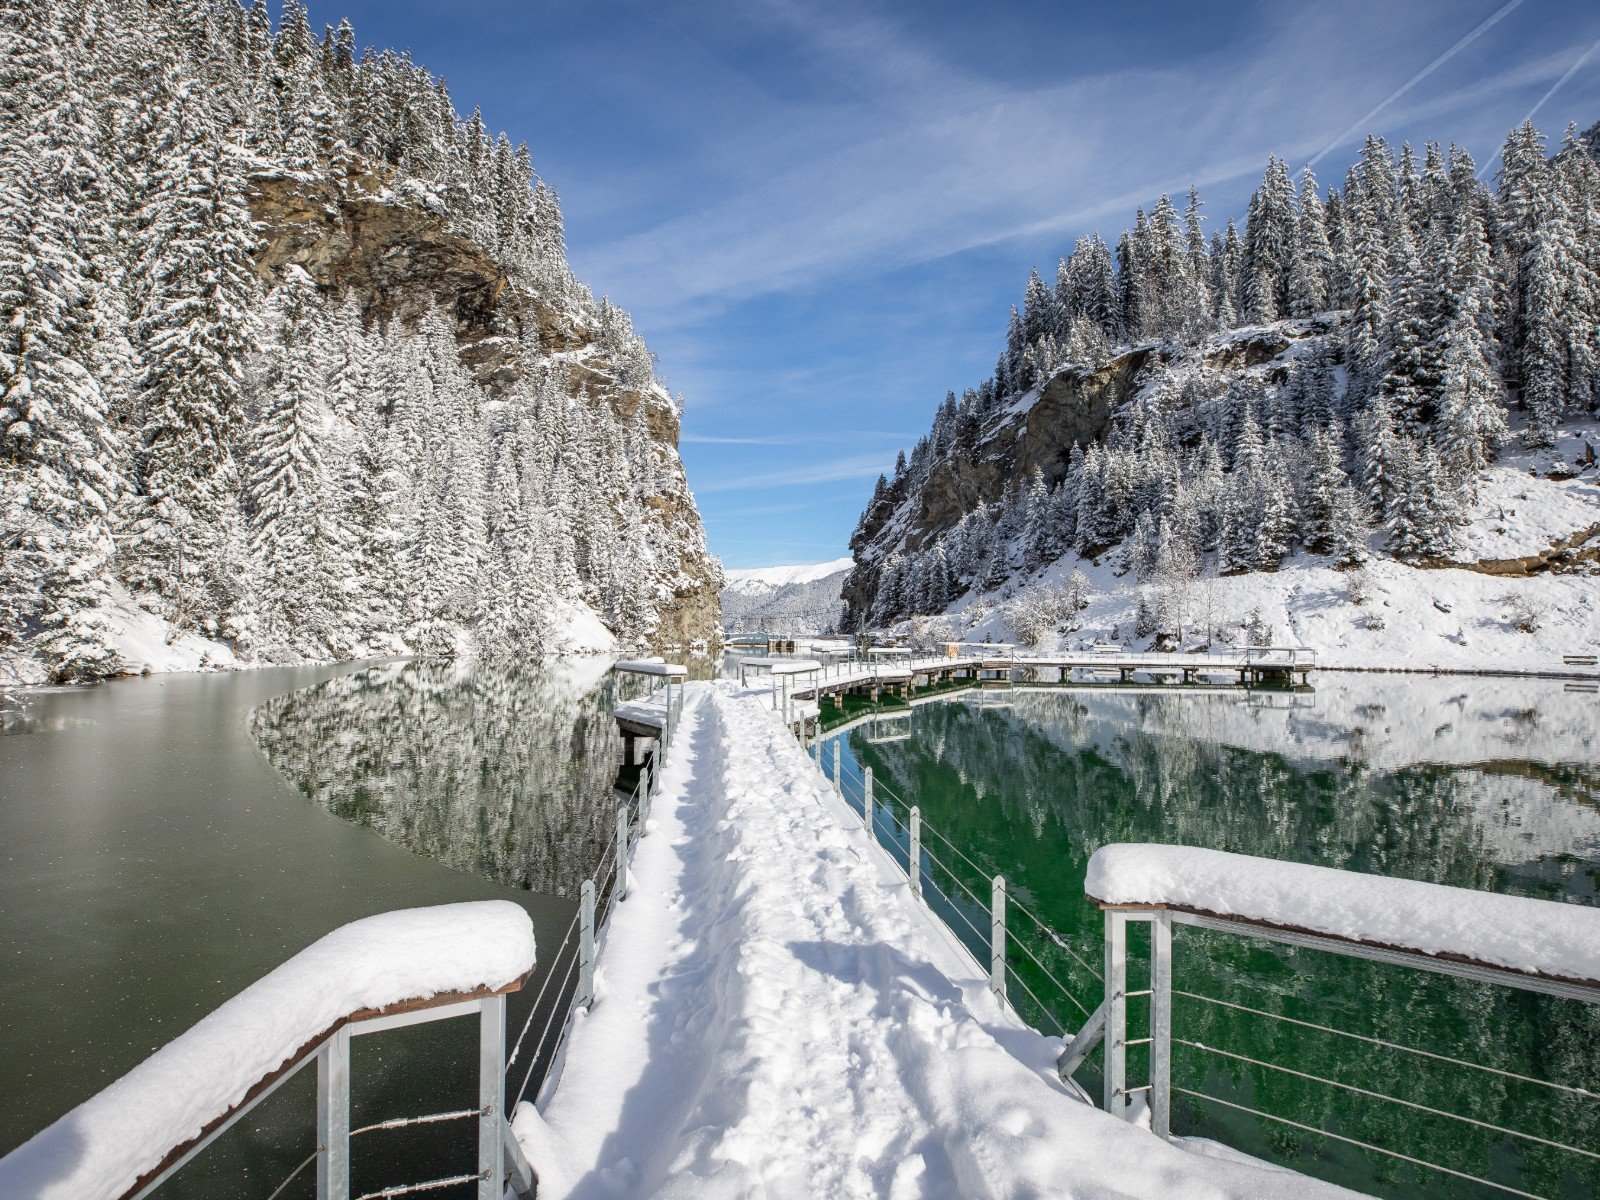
point(501, 770)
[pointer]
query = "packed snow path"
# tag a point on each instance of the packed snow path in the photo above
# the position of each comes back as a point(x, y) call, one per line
point(775, 1016)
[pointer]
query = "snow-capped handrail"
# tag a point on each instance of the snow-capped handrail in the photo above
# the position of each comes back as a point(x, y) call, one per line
point(1542, 939)
point(651, 666)
point(134, 1133)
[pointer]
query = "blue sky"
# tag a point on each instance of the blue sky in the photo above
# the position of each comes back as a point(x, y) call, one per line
point(820, 213)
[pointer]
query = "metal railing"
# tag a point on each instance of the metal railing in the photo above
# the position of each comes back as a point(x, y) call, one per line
point(573, 963)
point(1031, 957)
point(1052, 985)
point(499, 1160)
point(1111, 1024)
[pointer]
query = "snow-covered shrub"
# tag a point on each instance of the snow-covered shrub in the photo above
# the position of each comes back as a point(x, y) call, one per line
point(1257, 632)
point(1521, 613)
point(1044, 610)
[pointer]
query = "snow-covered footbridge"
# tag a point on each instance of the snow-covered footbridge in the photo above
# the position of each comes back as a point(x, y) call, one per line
point(760, 994)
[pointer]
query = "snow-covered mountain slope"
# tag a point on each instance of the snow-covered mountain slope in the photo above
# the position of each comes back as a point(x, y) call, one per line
point(1522, 600)
point(1393, 373)
point(798, 599)
point(306, 374)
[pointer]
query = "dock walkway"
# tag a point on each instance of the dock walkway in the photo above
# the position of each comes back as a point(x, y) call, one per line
point(1252, 665)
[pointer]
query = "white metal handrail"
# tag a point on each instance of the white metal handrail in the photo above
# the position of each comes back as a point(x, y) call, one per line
point(1164, 917)
point(289, 996)
point(598, 897)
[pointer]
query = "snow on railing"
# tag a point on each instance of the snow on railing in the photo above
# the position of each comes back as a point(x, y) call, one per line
point(383, 971)
point(1511, 941)
point(1540, 938)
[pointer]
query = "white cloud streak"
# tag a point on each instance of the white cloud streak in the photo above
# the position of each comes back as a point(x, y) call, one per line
point(924, 158)
point(1361, 124)
point(837, 470)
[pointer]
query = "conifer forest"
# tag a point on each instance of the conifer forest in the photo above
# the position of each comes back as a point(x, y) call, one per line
point(291, 358)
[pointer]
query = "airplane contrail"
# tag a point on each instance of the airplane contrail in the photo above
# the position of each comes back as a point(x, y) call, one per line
point(1499, 15)
point(1554, 88)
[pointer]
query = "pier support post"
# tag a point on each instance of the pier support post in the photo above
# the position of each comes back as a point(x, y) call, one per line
point(915, 868)
point(1161, 1024)
point(491, 1097)
point(1116, 1039)
point(997, 937)
point(585, 996)
point(622, 853)
point(333, 1117)
point(838, 785)
point(866, 798)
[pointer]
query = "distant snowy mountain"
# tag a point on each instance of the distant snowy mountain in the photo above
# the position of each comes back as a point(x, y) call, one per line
point(797, 599)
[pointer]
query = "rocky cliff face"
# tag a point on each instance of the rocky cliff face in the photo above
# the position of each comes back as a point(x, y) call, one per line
point(1037, 431)
point(372, 236)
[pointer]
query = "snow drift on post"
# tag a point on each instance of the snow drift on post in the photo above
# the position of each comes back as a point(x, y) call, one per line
point(99, 1149)
point(1536, 937)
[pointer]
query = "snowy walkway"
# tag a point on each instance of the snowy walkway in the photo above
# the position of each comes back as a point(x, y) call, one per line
point(776, 1018)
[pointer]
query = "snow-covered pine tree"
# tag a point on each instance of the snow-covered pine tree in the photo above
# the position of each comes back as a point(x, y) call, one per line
point(1312, 264)
point(194, 291)
point(57, 460)
point(303, 550)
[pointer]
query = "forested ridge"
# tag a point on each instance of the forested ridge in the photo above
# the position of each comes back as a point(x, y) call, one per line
point(291, 355)
point(1345, 366)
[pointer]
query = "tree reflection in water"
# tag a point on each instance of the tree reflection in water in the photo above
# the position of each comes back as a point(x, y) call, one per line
point(499, 769)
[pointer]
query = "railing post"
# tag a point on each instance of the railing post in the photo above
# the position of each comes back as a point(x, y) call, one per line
point(866, 798)
point(333, 1117)
point(491, 1097)
point(1116, 1039)
point(838, 786)
point(585, 996)
point(1161, 1024)
point(997, 937)
point(622, 852)
point(916, 851)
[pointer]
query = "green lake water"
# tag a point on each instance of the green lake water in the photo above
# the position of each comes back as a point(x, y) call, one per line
point(166, 841)
point(1491, 784)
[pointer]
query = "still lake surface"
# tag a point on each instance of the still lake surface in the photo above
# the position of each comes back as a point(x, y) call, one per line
point(155, 858)
point(1481, 783)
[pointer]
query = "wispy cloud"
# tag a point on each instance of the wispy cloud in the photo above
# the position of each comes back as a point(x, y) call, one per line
point(837, 470)
point(930, 159)
point(828, 437)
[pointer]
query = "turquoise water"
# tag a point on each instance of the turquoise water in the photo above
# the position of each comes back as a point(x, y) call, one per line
point(1479, 783)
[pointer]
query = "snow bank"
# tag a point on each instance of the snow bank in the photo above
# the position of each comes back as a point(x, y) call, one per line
point(1536, 937)
point(776, 1017)
point(1387, 616)
point(99, 1149)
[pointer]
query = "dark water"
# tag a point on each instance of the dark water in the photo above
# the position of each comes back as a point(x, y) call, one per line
point(153, 862)
point(1488, 784)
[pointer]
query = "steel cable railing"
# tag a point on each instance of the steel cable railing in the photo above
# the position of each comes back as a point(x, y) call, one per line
point(848, 770)
point(1374, 1095)
point(1356, 1142)
point(1361, 1037)
point(852, 785)
point(635, 808)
